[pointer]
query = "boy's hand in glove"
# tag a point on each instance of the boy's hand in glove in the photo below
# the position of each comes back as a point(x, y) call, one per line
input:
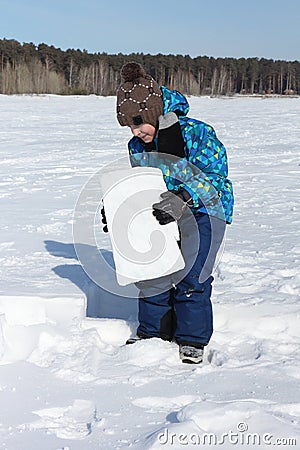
point(170, 140)
point(104, 221)
point(172, 206)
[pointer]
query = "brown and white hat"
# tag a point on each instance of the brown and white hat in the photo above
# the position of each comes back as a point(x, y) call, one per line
point(139, 98)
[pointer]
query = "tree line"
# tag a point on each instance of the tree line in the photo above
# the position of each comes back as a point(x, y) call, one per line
point(36, 69)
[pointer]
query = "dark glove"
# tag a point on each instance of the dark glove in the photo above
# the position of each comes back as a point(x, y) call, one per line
point(104, 221)
point(169, 136)
point(172, 206)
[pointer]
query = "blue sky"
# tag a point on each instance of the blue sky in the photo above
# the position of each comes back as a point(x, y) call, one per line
point(228, 28)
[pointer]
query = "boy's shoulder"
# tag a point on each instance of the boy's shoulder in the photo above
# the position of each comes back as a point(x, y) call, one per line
point(189, 124)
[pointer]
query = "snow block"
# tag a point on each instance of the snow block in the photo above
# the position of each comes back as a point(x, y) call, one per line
point(142, 248)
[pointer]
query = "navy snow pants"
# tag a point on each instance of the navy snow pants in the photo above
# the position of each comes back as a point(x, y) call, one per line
point(178, 306)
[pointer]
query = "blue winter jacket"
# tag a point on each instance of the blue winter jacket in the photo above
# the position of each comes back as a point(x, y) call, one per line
point(204, 170)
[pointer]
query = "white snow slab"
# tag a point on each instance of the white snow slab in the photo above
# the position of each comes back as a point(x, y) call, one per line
point(71, 422)
point(142, 248)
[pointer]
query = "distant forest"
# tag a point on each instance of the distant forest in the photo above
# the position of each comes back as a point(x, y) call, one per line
point(27, 68)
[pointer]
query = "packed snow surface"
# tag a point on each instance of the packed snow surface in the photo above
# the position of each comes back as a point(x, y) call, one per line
point(67, 382)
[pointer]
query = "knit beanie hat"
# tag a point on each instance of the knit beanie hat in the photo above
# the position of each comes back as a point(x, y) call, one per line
point(139, 98)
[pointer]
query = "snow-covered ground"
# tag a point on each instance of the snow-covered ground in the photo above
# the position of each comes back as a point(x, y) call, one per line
point(67, 381)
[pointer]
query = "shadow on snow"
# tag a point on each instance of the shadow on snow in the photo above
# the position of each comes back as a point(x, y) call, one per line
point(113, 301)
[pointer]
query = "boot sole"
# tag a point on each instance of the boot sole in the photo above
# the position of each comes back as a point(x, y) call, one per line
point(190, 360)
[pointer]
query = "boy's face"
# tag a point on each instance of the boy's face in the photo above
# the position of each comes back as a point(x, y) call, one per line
point(145, 131)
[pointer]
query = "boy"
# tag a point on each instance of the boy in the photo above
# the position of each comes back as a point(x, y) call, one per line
point(198, 196)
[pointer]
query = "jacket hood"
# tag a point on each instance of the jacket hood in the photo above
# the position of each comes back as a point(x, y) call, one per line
point(174, 101)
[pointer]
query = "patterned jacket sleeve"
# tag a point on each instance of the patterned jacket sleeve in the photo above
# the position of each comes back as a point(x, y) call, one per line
point(205, 176)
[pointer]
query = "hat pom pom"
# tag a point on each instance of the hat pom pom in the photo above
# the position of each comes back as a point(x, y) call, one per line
point(131, 71)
